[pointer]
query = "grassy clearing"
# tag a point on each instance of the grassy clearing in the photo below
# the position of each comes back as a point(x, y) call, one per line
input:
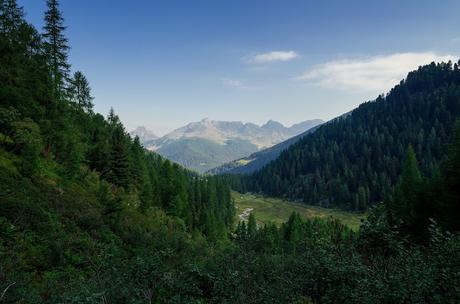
point(278, 211)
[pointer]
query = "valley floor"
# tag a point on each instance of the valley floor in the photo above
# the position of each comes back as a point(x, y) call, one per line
point(275, 210)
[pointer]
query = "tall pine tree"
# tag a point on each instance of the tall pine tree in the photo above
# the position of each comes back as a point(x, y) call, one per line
point(402, 207)
point(11, 16)
point(56, 48)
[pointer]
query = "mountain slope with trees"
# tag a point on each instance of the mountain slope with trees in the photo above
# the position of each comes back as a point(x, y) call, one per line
point(88, 216)
point(76, 191)
point(259, 159)
point(207, 144)
point(355, 161)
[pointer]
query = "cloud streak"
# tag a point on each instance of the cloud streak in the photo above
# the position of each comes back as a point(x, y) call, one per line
point(272, 57)
point(235, 83)
point(373, 74)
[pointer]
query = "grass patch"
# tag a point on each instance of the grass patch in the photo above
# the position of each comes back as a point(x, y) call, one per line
point(243, 161)
point(278, 211)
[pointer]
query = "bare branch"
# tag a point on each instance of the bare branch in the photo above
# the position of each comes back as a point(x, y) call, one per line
point(5, 290)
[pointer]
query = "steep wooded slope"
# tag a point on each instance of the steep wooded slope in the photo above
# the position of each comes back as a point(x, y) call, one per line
point(355, 161)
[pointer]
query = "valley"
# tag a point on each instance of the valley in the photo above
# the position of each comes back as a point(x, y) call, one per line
point(208, 144)
point(277, 211)
point(363, 208)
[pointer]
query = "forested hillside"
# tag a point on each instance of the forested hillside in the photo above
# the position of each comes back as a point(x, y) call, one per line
point(355, 161)
point(50, 132)
point(88, 216)
point(75, 189)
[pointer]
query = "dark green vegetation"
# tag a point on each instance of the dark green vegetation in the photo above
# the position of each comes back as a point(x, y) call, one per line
point(272, 210)
point(88, 216)
point(77, 194)
point(355, 161)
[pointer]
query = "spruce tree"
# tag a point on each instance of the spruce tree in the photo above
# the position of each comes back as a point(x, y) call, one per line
point(241, 231)
point(252, 226)
point(11, 16)
point(80, 92)
point(119, 159)
point(451, 180)
point(402, 207)
point(113, 119)
point(138, 167)
point(56, 48)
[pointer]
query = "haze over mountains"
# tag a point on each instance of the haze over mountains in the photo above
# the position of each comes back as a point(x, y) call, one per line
point(206, 144)
point(143, 134)
point(258, 159)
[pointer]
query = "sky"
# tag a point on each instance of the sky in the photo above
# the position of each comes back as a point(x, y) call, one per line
point(165, 63)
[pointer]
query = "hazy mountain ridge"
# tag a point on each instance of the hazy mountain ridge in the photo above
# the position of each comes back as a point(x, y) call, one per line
point(263, 136)
point(257, 160)
point(207, 144)
point(143, 133)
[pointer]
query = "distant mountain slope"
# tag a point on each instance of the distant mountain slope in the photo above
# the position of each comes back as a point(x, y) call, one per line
point(207, 144)
point(257, 160)
point(202, 154)
point(355, 161)
point(143, 134)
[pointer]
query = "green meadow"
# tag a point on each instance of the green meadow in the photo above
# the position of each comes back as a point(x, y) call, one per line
point(267, 209)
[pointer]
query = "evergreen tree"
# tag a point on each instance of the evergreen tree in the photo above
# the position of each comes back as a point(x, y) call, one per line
point(452, 170)
point(56, 48)
point(113, 119)
point(138, 166)
point(293, 229)
point(11, 16)
point(402, 206)
point(119, 159)
point(179, 203)
point(442, 199)
point(409, 185)
point(252, 226)
point(80, 92)
point(241, 231)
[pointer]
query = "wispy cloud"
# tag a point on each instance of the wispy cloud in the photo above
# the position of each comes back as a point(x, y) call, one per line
point(235, 83)
point(371, 74)
point(271, 57)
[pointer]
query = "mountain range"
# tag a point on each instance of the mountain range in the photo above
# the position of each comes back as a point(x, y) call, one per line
point(207, 144)
point(259, 159)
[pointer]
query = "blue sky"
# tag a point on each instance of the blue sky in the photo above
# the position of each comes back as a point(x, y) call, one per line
point(165, 63)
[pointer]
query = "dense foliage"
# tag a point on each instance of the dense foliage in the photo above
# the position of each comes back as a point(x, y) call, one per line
point(73, 183)
point(418, 201)
point(61, 136)
point(354, 161)
point(88, 216)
